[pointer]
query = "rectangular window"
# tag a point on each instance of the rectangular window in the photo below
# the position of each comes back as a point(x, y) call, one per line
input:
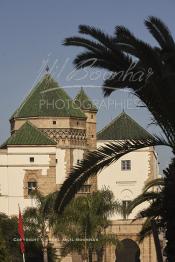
point(32, 160)
point(54, 122)
point(126, 165)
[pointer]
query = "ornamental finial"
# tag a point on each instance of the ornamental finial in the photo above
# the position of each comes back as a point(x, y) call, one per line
point(47, 69)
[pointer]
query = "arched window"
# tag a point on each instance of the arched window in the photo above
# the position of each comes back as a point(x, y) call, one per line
point(126, 194)
point(32, 186)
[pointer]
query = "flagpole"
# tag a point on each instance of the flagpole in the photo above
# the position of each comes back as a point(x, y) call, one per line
point(21, 234)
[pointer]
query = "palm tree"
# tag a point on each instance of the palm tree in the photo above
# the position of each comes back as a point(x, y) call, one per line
point(152, 196)
point(36, 222)
point(83, 225)
point(152, 80)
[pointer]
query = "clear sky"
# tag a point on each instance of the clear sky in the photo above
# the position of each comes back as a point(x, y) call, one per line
point(31, 32)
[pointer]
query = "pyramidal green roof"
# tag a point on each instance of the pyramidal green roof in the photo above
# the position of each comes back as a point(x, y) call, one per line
point(28, 135)
point(84, 102)
point(47, 99)
point(121, 128)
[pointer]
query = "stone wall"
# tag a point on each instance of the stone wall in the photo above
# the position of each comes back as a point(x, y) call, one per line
point(126, 229)
point(45, 183)
point(47, 122)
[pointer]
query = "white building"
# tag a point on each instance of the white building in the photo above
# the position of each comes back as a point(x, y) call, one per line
point(50, 133)
point(127, 177)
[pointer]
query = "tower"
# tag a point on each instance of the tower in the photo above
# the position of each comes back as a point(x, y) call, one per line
point(52, 111)
point(90, 110)
point(49, 135)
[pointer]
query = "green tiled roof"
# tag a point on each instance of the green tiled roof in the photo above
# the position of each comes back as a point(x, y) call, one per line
point(84, 102)
point(28, 135)
point(121, 128)
point(48, 99)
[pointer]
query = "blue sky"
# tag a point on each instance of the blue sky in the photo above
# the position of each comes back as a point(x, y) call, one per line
point(32, 32)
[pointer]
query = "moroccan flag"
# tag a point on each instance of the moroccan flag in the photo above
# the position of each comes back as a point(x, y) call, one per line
point(21, 232)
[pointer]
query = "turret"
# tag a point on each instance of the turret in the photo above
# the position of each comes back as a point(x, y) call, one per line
point(85, 104)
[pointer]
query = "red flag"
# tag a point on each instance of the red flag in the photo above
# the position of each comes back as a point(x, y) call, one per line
point(21, 232)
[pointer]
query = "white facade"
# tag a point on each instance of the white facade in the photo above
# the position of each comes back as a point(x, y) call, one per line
point(45, 145)
point(14, 161)
point(128, 184)
point(125, 184)
point(61, 163)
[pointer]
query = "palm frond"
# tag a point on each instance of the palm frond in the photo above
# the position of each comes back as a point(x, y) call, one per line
point(126, 48)
point(71, 246)
point(91, 59)
point(99, 35)
point(105, 239)
point(147, 228)
point(94, 163)
point(160, 32)
point(142, 198)
point(117, 53)
point(49, 203)
point(143, 49)
point(154, 183)
point(106, 47)
point(86, 43)
point(154, 210)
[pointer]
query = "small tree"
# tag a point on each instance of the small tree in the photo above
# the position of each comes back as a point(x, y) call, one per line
point(83, 224)
point(36, 225)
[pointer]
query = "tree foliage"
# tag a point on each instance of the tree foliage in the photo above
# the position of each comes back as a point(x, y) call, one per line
point(83, 223)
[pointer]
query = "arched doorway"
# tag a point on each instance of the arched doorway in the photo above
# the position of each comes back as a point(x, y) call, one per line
point(128, 251)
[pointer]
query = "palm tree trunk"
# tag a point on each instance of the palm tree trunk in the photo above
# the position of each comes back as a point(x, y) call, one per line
point(84, 259)
point(90, 256)
point(100, 255)
point(156, 241)
point(45, 254)
point(169, 211)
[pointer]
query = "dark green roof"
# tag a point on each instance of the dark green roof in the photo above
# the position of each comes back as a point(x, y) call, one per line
point(28, 135)
point(84, 102)
point(121, 128)
point(47, 99)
